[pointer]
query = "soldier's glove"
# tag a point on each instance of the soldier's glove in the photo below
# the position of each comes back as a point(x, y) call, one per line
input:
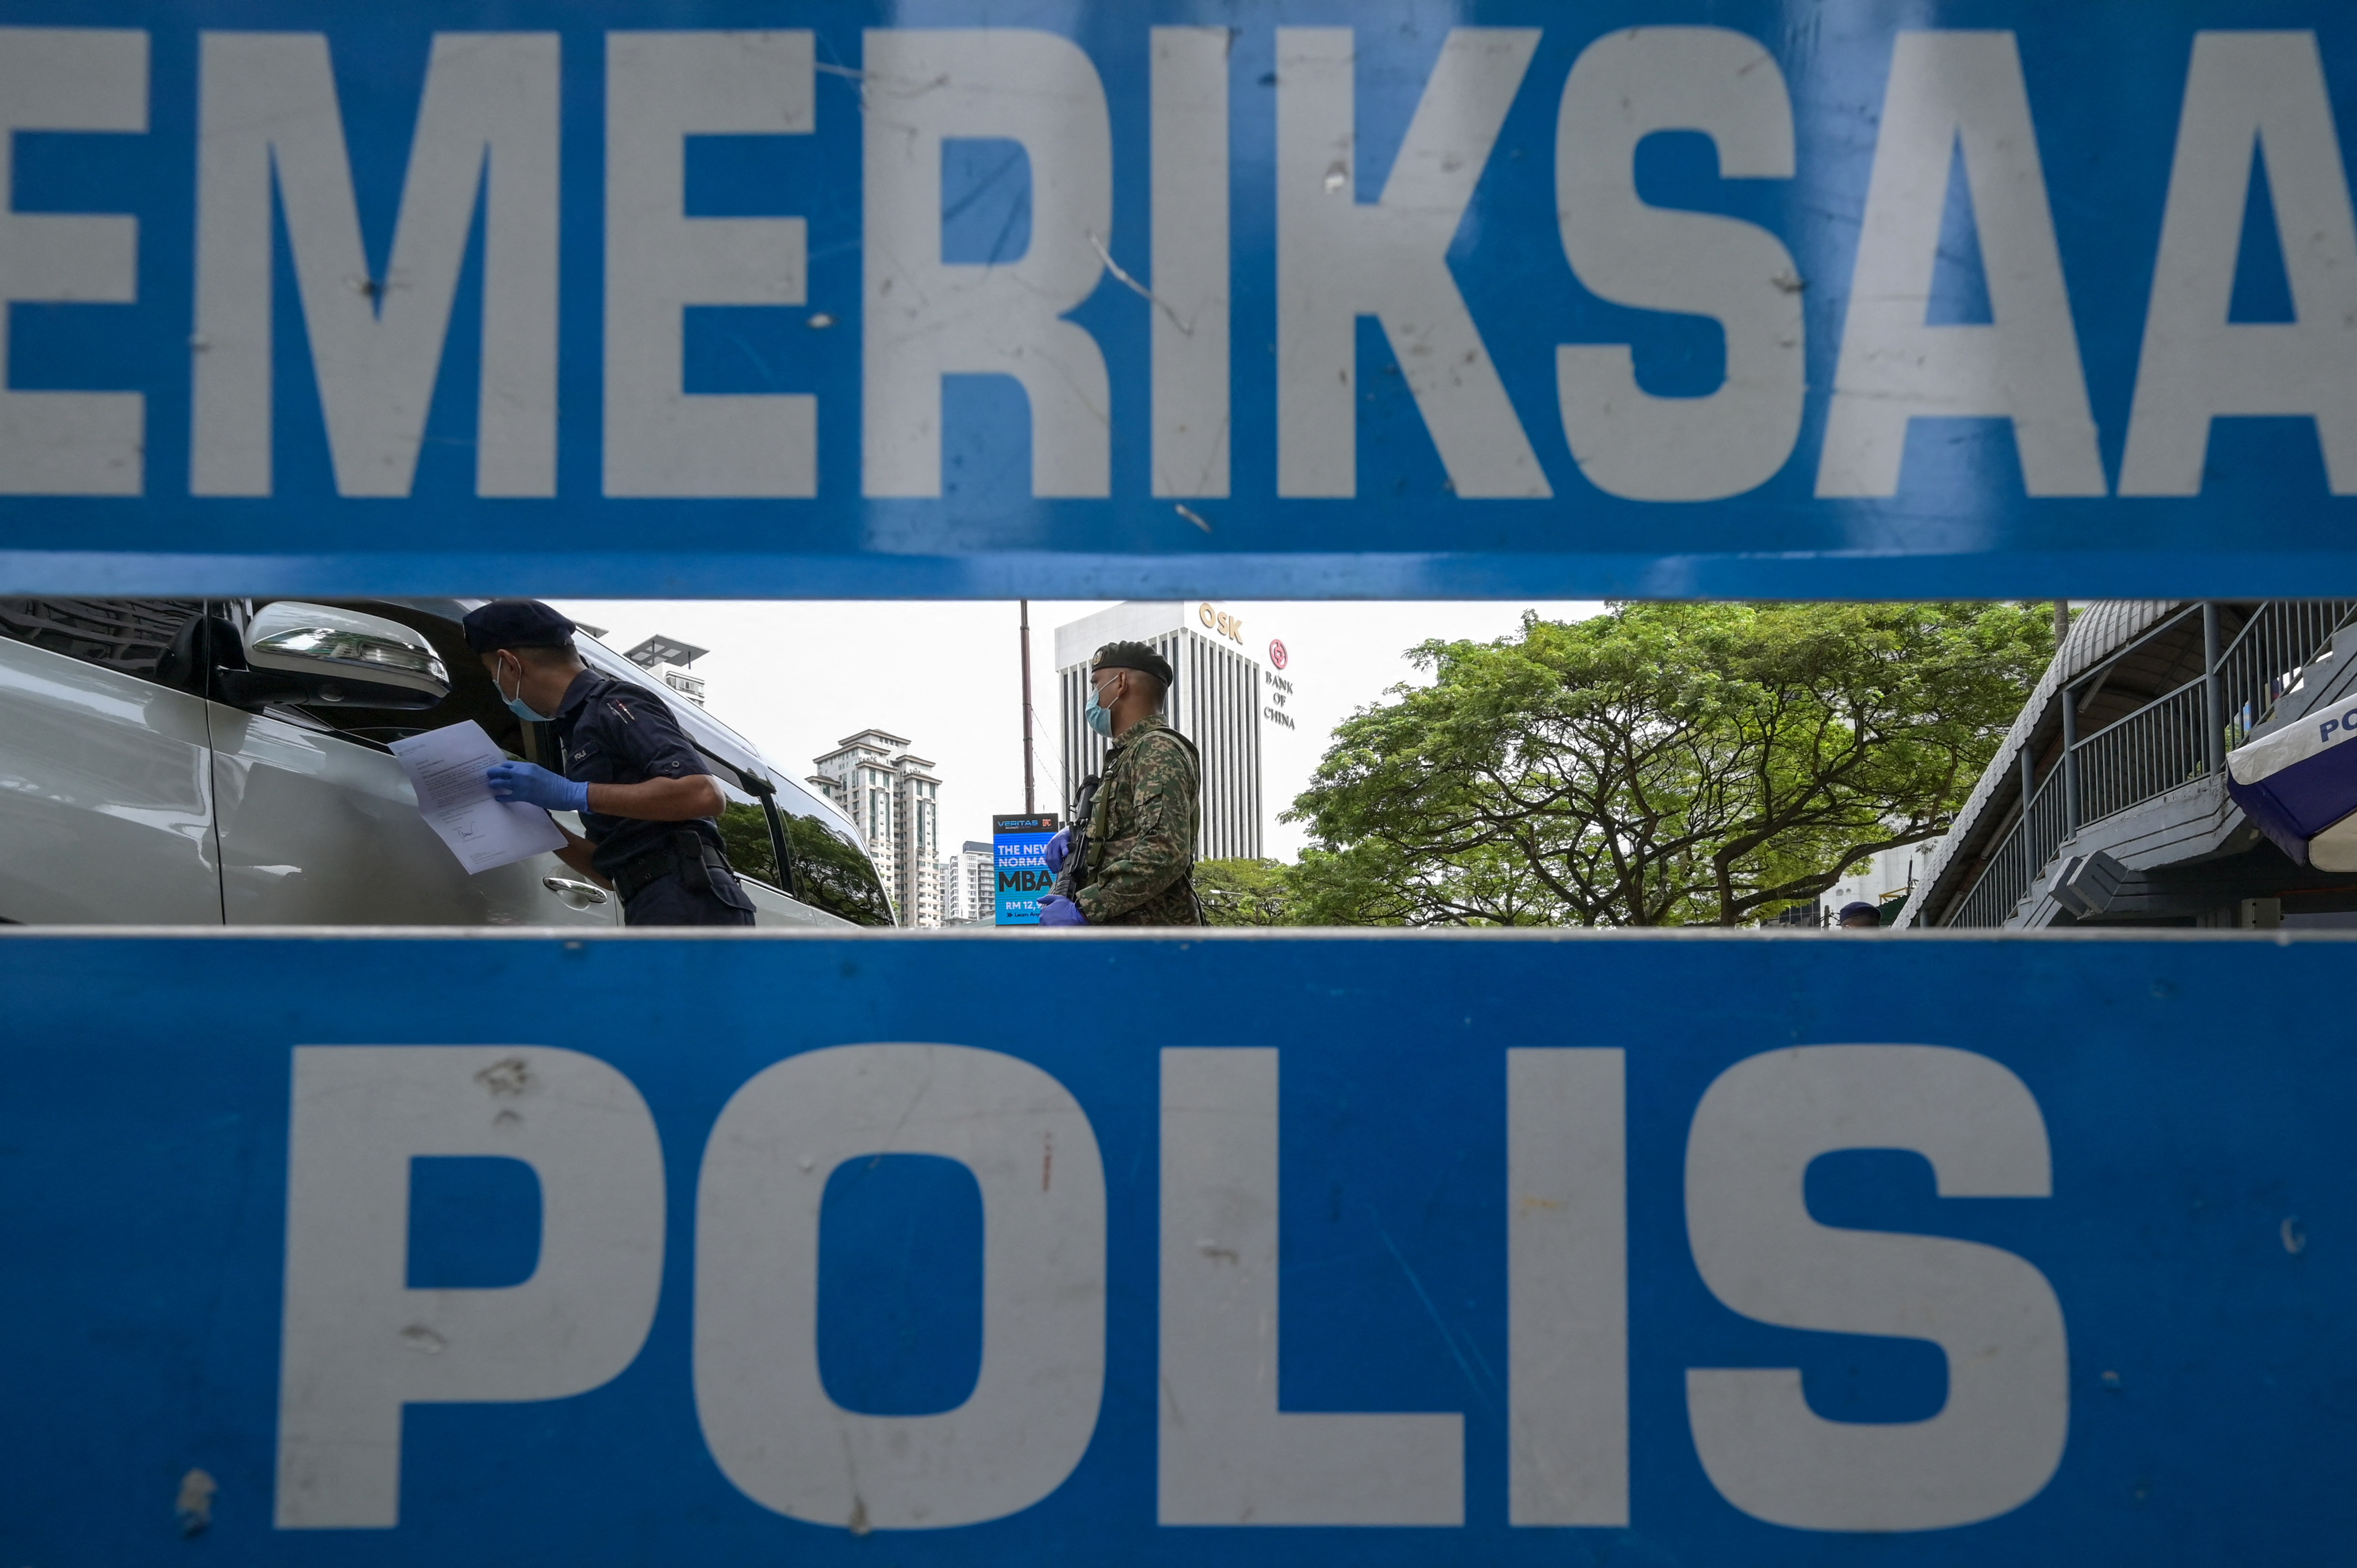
point(1058, 850)
point(537, 785)
point(1058, 910)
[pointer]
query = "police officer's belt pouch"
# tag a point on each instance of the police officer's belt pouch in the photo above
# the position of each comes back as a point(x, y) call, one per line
point(687, 849)
point(688, 856)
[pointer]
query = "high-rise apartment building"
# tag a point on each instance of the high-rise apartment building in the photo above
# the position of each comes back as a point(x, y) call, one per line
point(893, 798)
point(1215, 703)
point(969, 881)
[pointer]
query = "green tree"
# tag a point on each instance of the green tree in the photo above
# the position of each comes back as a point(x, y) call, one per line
point(1663, 764)
point(1242, 892)
point(745, 833)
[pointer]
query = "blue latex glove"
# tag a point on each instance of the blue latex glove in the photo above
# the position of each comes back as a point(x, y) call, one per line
point(537, 785)
point(1055, 910)
point(1058, 849)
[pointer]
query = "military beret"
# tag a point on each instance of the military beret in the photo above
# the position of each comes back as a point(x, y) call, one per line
point(515, 623)
point(1133, 656)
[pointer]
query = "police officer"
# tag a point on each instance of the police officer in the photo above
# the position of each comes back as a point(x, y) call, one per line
point(644, 794)
point(1133, 860)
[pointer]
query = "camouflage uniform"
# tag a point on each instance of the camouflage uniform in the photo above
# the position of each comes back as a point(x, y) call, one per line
point(1140, 862)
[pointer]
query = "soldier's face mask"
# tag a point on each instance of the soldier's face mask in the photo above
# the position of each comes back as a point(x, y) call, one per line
point(1099, 716)
point(516, 705)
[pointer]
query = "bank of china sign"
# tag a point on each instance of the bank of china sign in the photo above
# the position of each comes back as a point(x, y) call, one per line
point(1515, 303)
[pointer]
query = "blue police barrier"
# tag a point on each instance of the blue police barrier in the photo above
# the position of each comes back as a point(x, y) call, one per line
point(690, 297)
point(1245, 1250)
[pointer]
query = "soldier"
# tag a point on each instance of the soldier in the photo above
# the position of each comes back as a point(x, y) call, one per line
point(1133, 860)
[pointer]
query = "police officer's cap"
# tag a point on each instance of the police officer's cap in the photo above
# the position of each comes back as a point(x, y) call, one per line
point(515, 623)
point(1133, 656)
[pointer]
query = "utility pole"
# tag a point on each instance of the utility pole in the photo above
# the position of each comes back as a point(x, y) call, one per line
point(2062, 622)
point(1030, 804)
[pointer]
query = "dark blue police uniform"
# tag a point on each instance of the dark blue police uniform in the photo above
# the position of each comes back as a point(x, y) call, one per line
point(669, 874)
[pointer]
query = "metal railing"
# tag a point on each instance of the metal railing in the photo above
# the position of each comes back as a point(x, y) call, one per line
point(2026, 848)
point(2267, 656)
point(2172, 740)
point(2149, 753)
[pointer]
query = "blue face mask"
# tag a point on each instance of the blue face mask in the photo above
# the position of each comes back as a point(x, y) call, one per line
point(1099, 716)
point(516, 703)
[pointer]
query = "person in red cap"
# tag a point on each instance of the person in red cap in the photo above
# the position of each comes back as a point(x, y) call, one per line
point(645, 796)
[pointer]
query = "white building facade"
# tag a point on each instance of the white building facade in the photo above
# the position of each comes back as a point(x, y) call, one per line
point(1214, 701)
point(969, 882)
point(893, 798)
point(1884, 881)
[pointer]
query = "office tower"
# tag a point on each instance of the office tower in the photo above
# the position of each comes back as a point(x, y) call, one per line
point(1214, 701)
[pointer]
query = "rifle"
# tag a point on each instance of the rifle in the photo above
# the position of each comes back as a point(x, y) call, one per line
point(1076, 854)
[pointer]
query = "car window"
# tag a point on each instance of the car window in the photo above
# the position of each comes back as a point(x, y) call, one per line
point(832, 873)
point(744, 832)
point(133, 636)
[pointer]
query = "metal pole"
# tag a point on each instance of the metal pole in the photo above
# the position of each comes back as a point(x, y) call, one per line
point(1030, 803)
point(2029, 837)
point(2070, 761)
point(2213, 703)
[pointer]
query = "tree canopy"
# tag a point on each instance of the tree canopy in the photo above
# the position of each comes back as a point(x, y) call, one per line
point(1662, 764)
point(1243, 892)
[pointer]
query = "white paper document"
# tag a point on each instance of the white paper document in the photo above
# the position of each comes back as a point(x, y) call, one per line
point(446, 766)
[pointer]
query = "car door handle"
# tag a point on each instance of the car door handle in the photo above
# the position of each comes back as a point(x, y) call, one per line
point(566, 886)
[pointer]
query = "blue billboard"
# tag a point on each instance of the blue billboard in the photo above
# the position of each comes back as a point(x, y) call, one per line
point(1206, 1248)
point(1019, 867)
point(698, 296)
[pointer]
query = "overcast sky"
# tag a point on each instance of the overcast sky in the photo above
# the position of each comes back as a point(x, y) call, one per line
point(796, 676)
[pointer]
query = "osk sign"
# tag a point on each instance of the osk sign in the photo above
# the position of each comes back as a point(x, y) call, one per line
point(1181, 301)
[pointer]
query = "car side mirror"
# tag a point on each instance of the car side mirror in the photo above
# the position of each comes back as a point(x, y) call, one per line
point(314, 655)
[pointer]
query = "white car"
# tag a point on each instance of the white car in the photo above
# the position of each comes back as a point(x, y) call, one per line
point(210, 762)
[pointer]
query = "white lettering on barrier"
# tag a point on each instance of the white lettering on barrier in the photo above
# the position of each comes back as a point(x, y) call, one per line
point(488, 122)
point(356, 1344)
point(660, 89)
point(488, 125)
point(1567, 1302)
point(925, 318)
point(1624, 88)
point(1227, 1455)
point(1952, 92)
point(1338, 258)
point(2248, 94)
point(1190, 286)
point(766, 1413)
point(67, 79)
point(1996, 1442)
